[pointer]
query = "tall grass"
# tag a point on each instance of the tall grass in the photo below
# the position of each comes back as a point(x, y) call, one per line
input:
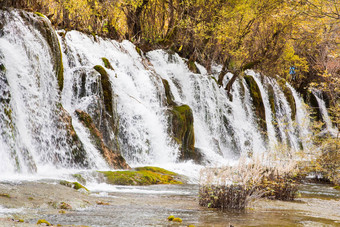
point(234, 187)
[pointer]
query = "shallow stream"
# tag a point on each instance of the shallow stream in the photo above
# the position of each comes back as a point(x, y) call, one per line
point(319, 205)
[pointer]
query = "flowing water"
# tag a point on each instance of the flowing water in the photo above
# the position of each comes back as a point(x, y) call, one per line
point(33, 137)
point(35, 141)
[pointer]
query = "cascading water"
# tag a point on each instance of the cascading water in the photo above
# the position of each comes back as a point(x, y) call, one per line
point(41, 126)
point(33, 133)
point(325, 115)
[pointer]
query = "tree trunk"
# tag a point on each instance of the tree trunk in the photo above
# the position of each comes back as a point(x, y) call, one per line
point(172, 20)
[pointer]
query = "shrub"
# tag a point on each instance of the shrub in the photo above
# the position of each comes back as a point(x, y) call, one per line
point(233, 187)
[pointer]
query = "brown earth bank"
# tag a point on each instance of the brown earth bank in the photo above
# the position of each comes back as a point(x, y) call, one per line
point(319, 205)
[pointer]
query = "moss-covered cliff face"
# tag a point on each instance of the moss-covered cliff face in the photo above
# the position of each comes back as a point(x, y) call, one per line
point(168, 94)
point(257, 102)
point(113, 158)
point(181, 127)
point(289, 96)
point(43, 25)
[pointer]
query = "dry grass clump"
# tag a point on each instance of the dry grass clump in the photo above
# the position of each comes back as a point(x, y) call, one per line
point(233, 187)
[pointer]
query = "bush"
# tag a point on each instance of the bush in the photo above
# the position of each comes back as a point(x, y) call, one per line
point(233, 187)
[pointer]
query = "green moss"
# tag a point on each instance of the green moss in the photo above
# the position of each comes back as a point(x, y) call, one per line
point(107, 63)
point(5, 195)
point(30, 198)
point(182, 127)
point(2, 68)
point(60, 71)
point(177, 220)
point(257, 101)
point(107, 90)
point(43, 221)
point(214, 79)
point(65, 206)
point(156, 170)
point(192, 66)
point(168, 94)
point(74, 185)
point(141, 176)
point(39, 14)
point(171, 217)
point(139, 51)
point(271, 96)
point(79, 178)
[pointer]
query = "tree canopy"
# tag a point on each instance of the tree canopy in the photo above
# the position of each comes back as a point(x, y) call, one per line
point(270, 36)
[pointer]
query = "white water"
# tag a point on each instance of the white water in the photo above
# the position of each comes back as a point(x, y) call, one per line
point(325, 116)
point(36, 141)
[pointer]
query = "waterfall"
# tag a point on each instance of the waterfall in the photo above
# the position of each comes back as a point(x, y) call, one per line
point(33, 127)
point(45, 124)
point(325, 115)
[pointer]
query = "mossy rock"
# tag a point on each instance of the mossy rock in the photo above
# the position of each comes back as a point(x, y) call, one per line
point(177, 220)
point(65, 206)
point(74, 185)
point(171, 217)
point(139, 51)
point(182, 127)
point(2, 68)
point(289, 96)
point(168, 94)
point(107, 63)
point(271, 96)
point(5, 195)
point(192, 66)
point(257, 102)
point(39, 14)
point(43, 221)
point(78, 152)
point(79, 178)
point(141, 176)
point(113, 157)
point(156, 170)
point(107, 89)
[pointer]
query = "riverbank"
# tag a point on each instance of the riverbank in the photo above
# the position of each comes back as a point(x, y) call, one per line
point(105, 205)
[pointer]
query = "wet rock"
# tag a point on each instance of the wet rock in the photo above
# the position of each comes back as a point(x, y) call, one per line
point(257, 102)
point(78, 152)
point(74, 185)
point(181, 127)
point(107, 63)
point(113, 157)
